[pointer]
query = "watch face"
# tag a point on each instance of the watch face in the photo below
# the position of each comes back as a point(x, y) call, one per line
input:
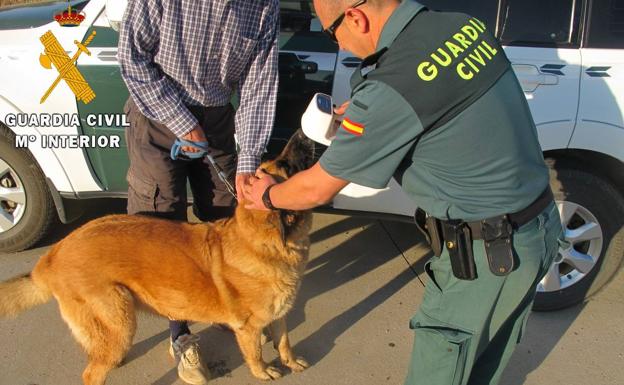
point(323, 102)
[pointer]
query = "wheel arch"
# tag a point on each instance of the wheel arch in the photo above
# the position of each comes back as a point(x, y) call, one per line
point(609, 168)
point(45, 157)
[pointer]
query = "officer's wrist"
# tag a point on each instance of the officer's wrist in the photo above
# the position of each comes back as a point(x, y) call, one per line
point(266, 198)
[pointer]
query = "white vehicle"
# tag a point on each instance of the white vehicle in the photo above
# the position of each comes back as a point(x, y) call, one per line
point(568, 55)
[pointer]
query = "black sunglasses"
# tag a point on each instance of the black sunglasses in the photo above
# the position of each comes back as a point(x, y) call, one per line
point(331, 30)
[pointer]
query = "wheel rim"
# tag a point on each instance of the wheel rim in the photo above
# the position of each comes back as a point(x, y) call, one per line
point(585, 237)
point(12, 197)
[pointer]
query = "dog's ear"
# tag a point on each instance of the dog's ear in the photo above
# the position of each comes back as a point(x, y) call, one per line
point(298, 155)
point(288, 221)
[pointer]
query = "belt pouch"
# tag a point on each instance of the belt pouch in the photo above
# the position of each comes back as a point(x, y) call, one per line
point(435, 234)
point(458, 242)
point(430, 227)
point(497, 233)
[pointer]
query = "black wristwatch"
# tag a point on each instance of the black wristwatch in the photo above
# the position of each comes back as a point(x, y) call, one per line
point(266, 198)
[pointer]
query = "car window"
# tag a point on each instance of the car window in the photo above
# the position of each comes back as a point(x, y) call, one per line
point(299, 28)
point(484, 10)
point(606, 24)
point(307, 61)
point(539, 22)
point(32, 15)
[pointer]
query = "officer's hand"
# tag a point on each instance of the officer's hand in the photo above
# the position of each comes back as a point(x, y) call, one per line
point(256, 188)
point(342, 109)
point(197, 135)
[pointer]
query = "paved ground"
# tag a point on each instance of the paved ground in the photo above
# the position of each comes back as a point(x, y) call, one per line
point(350, 322)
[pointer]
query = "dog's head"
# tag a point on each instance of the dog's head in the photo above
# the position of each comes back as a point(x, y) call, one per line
point(298, 155)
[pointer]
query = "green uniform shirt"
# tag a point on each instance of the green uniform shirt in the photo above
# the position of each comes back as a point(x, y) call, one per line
point(439, 107)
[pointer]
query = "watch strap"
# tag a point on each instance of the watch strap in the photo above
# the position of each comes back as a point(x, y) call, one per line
point(266, 198)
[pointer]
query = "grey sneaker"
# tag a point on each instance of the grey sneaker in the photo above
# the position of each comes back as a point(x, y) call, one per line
point(185, 351)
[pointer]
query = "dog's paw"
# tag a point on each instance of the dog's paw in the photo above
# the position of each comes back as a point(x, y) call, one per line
point(270, 373)
point(299, 364)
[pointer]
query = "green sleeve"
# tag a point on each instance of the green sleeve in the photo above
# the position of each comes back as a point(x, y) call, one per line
point(380, 127)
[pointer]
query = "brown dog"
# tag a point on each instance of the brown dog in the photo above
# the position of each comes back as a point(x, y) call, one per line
point(242, 271)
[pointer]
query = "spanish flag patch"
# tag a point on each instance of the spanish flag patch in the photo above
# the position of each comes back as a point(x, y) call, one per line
point(353, 127)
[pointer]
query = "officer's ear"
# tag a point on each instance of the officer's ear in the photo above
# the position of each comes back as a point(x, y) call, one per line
point(357, 20)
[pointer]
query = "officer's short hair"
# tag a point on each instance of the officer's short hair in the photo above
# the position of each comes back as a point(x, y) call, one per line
point(338, 6)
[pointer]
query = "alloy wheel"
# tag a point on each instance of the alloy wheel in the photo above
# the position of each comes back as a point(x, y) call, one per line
point(574, 262)
point(12, 197)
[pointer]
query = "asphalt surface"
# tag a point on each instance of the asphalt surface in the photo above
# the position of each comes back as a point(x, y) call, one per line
point(363, 283)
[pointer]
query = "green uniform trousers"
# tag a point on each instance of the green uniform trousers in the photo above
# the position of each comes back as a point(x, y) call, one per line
point(466, 331)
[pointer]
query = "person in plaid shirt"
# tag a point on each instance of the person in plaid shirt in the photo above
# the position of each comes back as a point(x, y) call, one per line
point(182, 62)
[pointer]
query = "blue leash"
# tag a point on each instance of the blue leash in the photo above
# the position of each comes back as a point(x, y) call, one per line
point(204, 152)
point(176, 149)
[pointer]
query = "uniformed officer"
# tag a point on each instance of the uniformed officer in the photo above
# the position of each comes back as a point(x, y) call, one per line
point(436, 104)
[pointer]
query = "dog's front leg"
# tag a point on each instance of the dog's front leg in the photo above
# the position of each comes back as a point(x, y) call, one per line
point(248, 338)
point(281, 343)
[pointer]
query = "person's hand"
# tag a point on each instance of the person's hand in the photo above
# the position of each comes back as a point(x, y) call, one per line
point(342, 108)
point(256, 188)
point(197, 135)
point(338, 116)
point(242, 179)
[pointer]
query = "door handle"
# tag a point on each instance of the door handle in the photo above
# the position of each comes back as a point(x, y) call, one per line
point(108, 56)
point(351, 62)
point(531, 77)
point(541, 79)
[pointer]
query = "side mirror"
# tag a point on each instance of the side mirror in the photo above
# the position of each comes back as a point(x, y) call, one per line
point(115, 10)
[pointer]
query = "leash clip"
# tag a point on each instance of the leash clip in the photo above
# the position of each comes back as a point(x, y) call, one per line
point(204, 152)
point(178, 153)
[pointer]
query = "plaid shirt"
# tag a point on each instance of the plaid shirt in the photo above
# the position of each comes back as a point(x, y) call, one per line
point(175, 53)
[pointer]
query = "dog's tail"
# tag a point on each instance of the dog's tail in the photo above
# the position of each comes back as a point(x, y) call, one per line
point(21, 293)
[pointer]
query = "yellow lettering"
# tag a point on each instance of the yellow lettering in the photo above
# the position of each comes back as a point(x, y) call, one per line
point(455, 49)
point(485, 52)
point(447, 58)
point(479, 28)
point(427, 71)
point(471, 32)
point(478, 58)
point(461, 70)
point(471, 64)
point(493, 51)
point(482, 24)
point(462, 40)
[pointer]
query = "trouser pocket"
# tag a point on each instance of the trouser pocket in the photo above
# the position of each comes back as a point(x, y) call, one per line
point(440, 353)
point(141, 194)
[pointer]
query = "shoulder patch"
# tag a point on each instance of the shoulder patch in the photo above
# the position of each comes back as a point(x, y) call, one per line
point(353, 127)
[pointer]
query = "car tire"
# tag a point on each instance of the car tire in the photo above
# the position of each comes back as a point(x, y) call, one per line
point(37, 212)
point(594, 199)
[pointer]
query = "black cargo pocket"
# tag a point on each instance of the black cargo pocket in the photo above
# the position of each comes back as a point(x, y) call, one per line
point(141, 194)
point(440, 352)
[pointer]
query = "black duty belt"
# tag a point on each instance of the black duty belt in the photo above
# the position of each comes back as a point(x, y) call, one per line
point(519, 218)
point(496, 232)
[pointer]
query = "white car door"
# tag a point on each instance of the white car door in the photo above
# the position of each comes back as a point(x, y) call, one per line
point(601, 107)
point(541, 39)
